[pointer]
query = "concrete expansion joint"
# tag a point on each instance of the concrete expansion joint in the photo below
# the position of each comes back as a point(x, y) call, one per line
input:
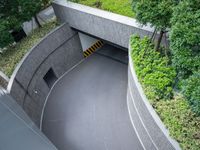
point(132, 122)
point(140, 116)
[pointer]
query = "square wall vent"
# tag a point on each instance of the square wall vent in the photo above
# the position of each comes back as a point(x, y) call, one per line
point(50, 78)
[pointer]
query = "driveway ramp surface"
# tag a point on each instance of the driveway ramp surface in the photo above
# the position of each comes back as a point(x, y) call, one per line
point(87, 108)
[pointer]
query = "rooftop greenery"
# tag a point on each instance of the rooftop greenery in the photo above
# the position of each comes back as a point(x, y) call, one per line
point(122, 7)
point(156, 74)
point(12, 56)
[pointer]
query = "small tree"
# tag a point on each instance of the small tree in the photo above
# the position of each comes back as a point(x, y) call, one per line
point(157, 13)
point(5, 36)
point(29, 9)
point(14, 12)
point(18, 11)
point(8, 20)
point(185, 38)
point(9, 13)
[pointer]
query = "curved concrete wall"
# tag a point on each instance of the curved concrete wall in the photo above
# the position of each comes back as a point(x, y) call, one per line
point(3, 80)
point(59, 51)
point(151, 131)
point(108, 26)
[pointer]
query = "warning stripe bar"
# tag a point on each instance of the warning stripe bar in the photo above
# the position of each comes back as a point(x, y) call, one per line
point(93, 48)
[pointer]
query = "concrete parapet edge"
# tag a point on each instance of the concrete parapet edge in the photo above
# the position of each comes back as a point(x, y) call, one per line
point(139, 107)
point(102, 24)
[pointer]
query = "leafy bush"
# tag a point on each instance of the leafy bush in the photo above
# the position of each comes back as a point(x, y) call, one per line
point(5, 36)
point(185, 39)
point(185, 46)
point(154, 72)
point(152, 69)
point(191, 90)
point(157, 13)
point(12, 56)
point(182, 123)
point(13, 13)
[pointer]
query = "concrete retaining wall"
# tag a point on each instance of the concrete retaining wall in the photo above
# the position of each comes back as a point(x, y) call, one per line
point(151, 131)
point(108, 26)
point(56, 53)
point(3, 80)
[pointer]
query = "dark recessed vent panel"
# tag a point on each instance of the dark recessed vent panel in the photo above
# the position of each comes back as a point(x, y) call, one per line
point(50, 78)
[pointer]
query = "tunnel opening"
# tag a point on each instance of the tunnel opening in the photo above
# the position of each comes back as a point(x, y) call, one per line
point(91, 44)
point(88, 104)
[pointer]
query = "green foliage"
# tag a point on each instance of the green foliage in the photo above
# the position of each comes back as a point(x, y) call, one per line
point(9, 12)
point(122, 7)
point(158, 12)
point(184, 37)
point(5, 36)
point(11, 57)
point(75, 1)
point(157, 76)
point(182, 123)
point(13, 13)
point(28, 8)
point(46, 3)
point(191, 90)
point(153, 71)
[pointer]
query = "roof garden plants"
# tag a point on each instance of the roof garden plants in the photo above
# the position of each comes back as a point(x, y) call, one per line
point(12, 56)
point(157, 76)
point(122, 7)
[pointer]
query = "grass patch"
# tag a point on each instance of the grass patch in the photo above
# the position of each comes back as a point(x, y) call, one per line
point(12, 56)
point(122, 7)
point(156, 76)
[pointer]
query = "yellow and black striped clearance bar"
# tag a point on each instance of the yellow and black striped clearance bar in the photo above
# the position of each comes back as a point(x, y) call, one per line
point(93, 48)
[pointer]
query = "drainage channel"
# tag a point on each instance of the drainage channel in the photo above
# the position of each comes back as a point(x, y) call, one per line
point(87, 107)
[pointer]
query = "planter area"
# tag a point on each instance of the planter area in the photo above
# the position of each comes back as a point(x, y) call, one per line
point(150, 98)
point(146, 122)
point(12, 56)
point(122, 7)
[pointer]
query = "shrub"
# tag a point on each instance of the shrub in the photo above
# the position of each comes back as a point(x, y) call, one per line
point(5, 36)
point(191, 90)
point(185, 39)
point(157, 13)
point(14, 12)
point(182, 123)
point(152, 69)
point(12, 56)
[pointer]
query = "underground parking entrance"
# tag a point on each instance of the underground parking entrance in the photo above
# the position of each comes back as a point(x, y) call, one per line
point(87, 107)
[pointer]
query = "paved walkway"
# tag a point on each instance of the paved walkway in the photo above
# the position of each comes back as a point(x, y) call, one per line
point(87, 108)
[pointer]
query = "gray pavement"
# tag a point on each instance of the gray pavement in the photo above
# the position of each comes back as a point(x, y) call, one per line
point(87, 108)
